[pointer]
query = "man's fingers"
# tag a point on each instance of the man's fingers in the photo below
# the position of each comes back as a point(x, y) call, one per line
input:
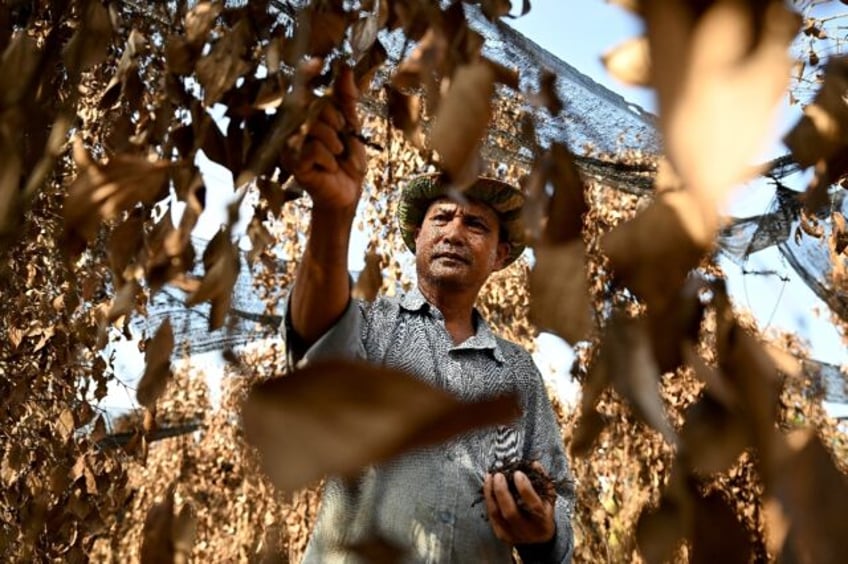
point(497, 521)
point(347, 95)
point(331, 115)
point(354, 162)
point(503, 496)
point(328, 136)
point(316, 154)
point(532, 501)
point(489, 497)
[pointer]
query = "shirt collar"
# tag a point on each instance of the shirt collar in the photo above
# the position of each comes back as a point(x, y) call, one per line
point(483, 339)
point(414, 300)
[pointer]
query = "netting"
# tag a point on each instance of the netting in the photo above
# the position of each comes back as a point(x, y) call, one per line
point(596, 119)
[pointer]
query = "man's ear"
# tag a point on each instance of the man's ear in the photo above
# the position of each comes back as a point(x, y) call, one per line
point(502, 255)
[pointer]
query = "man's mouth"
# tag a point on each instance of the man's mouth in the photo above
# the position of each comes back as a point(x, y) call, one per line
point(451, 256)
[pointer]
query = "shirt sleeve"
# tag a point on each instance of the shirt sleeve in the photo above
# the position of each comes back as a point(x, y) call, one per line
point(342, 340)
point(545, 444)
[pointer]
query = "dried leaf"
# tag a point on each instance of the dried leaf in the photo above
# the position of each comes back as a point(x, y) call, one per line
point(260, 239)
point(212, 142)
point(103, 191)
point(370, 279)
point(98, 433)
point(124, 302)
point(677, 325)
point(717, 534)
point(589, 427)
point(405, 114)
point(633, 371)
point(275, 196)
point(124, 246)
point(377, 413)
point(495, 9)
point(137, 446)
point(463, 117)
point(784, 361)
point(713, 436)
point(363, 34)
point(810, 225)
point(568, 203)
point(88, 46)
point(285, 134)
point(536, 208)
point(839, 233)
point(755, 379)
point(199, 21)
point(508, 76)
point(634, 6)
point(219, 70)
point(15, 459)
point(271, 93)
point(660, 531)
point(715, 381)
point(813, 494)
point(819, 137)
point(82, 469)
point(11, 168)
point(126, 80)
point(822, 131)
point(547, 96)
point(157, 543)
point(368, 64)
point(222, 262)
point(559, 291)
point(525, 8)
point(415, 17)
point(654, 252)
point(180, 55)
point(170, 253)
point(813, 28)
point(717, 65)
point(325, 28)
point(183, 533)
point(157, 369)
point(18, 68)
point(65, 424)
point(630, 62)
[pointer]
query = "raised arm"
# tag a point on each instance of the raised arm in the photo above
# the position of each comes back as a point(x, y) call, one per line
point(331, 170)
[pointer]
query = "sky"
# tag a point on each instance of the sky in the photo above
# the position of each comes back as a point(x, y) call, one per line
point(579, 33)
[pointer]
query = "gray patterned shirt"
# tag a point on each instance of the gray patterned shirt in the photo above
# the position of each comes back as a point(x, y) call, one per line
point(430, 501)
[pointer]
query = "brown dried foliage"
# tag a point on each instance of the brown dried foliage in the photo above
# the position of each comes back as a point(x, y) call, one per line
point(86, 238)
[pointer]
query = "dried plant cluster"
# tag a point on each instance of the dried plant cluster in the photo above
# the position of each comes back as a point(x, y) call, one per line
point(694, 437)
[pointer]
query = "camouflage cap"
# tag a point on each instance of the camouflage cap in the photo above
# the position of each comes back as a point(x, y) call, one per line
point(504, 198)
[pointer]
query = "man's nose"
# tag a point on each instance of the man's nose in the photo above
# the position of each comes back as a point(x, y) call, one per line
point(454, 231)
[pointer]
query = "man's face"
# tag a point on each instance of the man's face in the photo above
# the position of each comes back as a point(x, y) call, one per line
point(459, 245)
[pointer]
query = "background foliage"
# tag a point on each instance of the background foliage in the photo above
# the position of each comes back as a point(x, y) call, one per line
point(690, 427)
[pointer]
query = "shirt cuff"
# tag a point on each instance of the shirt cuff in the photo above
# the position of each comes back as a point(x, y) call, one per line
point(342, 340)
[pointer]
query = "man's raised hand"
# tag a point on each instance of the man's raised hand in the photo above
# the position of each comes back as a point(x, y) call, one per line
point(332, 160)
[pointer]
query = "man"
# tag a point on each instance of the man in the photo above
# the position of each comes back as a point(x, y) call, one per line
point(427, 501)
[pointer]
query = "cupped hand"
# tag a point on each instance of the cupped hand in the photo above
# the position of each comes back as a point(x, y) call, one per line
point(532, 524)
